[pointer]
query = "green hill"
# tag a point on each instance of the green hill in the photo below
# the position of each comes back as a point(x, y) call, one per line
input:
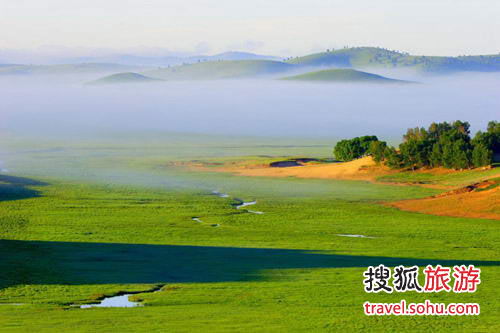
point(343, 75)
point(64, 69)
point(124, 78)
point(372, 57)
point(213, 70)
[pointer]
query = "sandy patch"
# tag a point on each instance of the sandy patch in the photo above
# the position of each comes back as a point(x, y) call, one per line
point(361, 169)
point(472, 201)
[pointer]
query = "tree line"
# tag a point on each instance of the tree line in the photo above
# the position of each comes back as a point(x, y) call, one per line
point(447, 145)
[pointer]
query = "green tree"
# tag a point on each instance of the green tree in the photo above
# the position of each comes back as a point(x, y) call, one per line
point(491, 138)
point(347, 150)
point(436, 155)
point(392, 158)
point(481, 155)
point(365, 142)
point(409, 154)
point(447, 158)
point(377, 150)
point(461, 152)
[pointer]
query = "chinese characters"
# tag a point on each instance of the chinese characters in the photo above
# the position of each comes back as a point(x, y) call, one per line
point(436, 279)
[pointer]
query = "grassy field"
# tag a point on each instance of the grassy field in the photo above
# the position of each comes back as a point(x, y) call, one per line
point(454, 179)
point(124, 78)
point(211, 70)
point(71, 237)
point(373, 57)
point(343, 75)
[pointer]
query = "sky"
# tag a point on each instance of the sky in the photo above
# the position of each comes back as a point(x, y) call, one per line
point(277, 27)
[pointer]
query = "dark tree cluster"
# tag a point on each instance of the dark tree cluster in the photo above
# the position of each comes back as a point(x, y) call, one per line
point(348, 150)
point(447, 145)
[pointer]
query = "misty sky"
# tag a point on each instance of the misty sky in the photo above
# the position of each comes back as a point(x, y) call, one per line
point(280, 27)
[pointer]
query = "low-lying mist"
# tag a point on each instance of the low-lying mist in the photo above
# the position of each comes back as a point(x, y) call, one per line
point(129, 133)
point(247, 107)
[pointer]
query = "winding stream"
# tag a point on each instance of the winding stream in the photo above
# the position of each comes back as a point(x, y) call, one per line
point(354, 236)
point(119, 301)
point(221, 195)
point(240, 204)
point(244, 204)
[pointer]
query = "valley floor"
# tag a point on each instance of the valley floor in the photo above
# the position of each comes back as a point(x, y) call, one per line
point(66, 243)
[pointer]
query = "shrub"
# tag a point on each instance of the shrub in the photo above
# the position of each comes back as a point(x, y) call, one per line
point(348, 150)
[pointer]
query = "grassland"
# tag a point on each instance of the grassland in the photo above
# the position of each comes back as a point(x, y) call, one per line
point(124, 78)
point(450, 178)
point(211, 70)
point(224, 66)
point(373, 57)
point(69, 240)
point(342, 75)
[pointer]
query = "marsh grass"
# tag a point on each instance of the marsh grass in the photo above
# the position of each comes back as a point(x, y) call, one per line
point(104, 228)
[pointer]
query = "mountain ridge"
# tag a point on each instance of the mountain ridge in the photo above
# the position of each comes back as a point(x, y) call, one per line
point(374, 57)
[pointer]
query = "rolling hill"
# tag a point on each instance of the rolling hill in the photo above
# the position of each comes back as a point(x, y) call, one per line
point(343, 75)
point(373, 57)
point(212, 70)
point(124, 78)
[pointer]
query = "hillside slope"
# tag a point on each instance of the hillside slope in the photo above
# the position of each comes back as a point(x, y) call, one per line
point(213, 70)
point(124, 78)
point(372, 57)
point(342, 75)
point(480, 200)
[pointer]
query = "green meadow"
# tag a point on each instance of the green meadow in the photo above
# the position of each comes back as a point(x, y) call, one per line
point(80, 221)
point(342, 75)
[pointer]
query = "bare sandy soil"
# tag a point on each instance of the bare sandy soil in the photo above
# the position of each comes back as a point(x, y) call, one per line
point(472, 201)
point(360, 169)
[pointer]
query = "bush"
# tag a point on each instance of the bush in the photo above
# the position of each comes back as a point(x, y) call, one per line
point(348, 150)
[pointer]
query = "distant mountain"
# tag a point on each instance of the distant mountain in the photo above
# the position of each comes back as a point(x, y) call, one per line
point(134, 60)
point(124, 78)
point(372, 57)
point(65, 69)
point(232, 55)
point(342, 75)
point(211, 70)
